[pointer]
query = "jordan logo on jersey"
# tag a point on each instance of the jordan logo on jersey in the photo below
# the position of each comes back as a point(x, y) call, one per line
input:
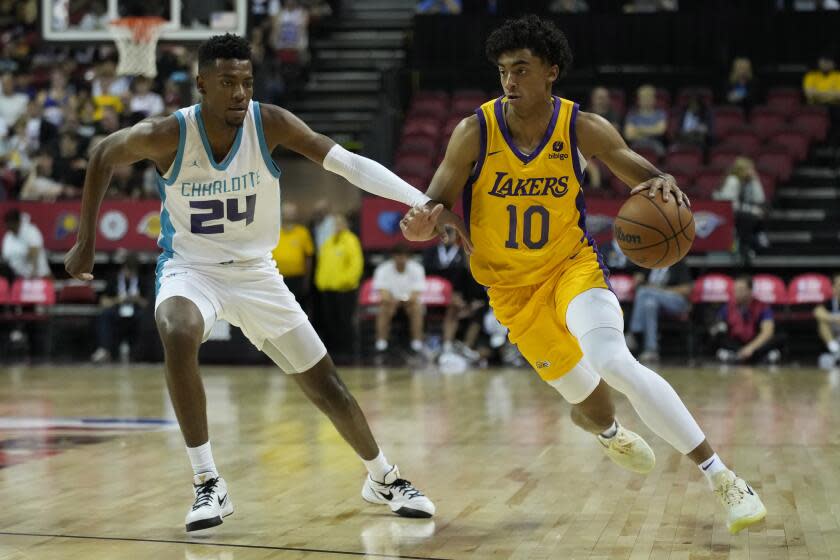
point(505, 186)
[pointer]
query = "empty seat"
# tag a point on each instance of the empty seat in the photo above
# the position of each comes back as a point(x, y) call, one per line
point(422, 126)
point(707, 181)
point(748, 142)
point(796, 143)
point(815, 125)
point(688, 162)
point(785, 99)
point(417, 145)
point(436, 108)
point(766, 125)
point(777, 164)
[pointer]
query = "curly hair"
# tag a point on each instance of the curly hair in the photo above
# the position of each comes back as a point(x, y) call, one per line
point(227, 46)
point(530, 32)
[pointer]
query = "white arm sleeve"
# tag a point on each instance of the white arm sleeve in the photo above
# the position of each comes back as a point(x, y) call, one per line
point(372, 177)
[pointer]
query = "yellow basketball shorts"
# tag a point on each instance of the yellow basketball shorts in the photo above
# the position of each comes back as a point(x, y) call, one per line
point(536, 315)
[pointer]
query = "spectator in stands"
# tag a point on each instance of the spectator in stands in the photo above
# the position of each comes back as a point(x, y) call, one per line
point(645, 125)
point(40, 185)
point(400, 282)
point(439, 6)
point(822, 86)
point(144, 100)
point(12, 104)
point(745, 330)
point(337, 276)
point(568, 6)
point(448, 260)
point(57, 99)
point(695, 123)
point(122, 304)
point(599, 103)
point(828, 326)
point(743, 188)
point(109, 121)
point(108, 89)
point(69, 166)
point(740, 89)
point(665, 290)
point(23, 247)
point(290, 33)
point(294, 254)
point(40, 132)
point(322, 223)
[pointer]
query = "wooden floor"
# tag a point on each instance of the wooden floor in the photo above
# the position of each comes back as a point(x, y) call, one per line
point(511, 476)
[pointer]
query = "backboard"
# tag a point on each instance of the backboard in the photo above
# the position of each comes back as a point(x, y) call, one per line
point(189, 20)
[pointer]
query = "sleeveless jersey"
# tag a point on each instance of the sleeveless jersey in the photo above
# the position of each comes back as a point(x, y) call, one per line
point(219, 212)
point(526, 213)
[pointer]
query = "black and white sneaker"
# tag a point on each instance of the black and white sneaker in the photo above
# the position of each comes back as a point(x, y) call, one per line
point(212, 502)
point(398, 494)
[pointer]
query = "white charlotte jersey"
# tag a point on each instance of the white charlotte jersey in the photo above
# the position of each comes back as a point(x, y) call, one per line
point(219, 212)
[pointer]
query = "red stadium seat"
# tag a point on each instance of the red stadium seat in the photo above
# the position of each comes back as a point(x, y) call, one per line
point(417, 181)
point(440, 95)
point(764, 110)
point(796, 143)
point(726, 118)
point(770, 289)
point(618, 102)
point(707, 182)
point(748, 142)
point(414, 164)
point(785, 99)
point(683, 160)
point(809, 288)
point(37, 291)
point(74, 292)
point(434, 108)
point(648, 153)
point(814, 125)
point(623, 286)
point(4, 291)
point(722, 157)
point(663, 99)
point(765, 125)
point(810, 110)
point(418, 145)
point(422, 126)
point(776, 164)
point(712, 288)
point(466, 106)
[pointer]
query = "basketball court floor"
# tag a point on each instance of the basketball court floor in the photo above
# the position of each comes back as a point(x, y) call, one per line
point(94, 467)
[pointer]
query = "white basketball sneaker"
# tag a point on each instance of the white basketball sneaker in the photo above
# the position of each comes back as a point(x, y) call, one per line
point(742, 504)
point(403, 498)
point(629, 451)
point(212, 502)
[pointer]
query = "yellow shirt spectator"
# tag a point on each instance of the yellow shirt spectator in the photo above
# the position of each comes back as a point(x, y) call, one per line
point(340, 263)
point(293, 248)
point(822, 85)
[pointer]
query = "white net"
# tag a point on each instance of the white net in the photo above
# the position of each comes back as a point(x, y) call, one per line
point(136, 39)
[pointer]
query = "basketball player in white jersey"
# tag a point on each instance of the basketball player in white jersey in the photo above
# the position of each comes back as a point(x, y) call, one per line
point(220, 219)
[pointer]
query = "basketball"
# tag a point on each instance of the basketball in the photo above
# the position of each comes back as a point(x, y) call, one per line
point(653, 233)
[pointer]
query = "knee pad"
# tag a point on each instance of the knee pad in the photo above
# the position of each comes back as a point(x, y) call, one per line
point(594, 309)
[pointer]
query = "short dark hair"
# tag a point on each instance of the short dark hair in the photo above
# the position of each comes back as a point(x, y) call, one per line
point(227, 46)
point(541, 36)
point(746, 278)
point(401, 248)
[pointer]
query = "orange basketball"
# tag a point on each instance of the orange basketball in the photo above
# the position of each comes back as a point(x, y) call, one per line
point(653, 233)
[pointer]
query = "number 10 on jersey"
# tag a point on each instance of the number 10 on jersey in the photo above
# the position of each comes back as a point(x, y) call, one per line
point(530, 214)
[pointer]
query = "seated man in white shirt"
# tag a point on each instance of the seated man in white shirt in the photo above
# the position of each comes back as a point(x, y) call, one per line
point(23, 247)
point(400, 282)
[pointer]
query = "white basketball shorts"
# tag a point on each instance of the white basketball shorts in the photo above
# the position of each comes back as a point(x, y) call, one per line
point(252, 296)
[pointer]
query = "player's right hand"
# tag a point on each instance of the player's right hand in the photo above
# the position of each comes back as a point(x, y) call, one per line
point(78, 262)
point(422, 224)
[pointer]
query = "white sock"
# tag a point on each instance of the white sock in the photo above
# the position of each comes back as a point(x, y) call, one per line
point(611, 431)
point(711, 466)
point(833, 347)
point(381, 345)
point(378, 467)
point(416, 345)
point(201, 458)
point(447, 346)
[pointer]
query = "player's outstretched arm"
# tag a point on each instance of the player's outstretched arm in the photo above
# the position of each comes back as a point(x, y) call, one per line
point(450, 178)
point(154, 139)
point(598, 138)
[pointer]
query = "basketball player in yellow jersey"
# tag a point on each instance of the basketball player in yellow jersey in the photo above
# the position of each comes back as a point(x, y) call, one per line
point(522, 159)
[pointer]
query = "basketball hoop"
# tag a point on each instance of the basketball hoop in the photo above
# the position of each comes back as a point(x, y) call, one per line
point(136, 39)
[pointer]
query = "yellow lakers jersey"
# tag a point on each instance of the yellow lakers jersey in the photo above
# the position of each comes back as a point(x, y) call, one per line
point(525, 212)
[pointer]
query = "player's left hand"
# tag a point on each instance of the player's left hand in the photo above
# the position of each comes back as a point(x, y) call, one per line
point(421, 224)
point(667, 185)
